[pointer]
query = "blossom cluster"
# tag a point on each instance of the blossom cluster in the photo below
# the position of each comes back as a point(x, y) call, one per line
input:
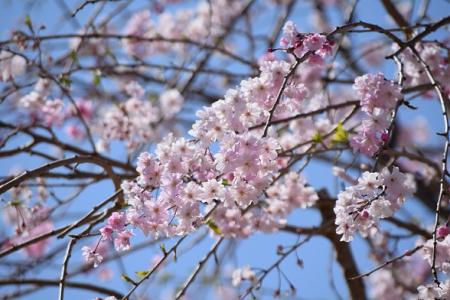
point(134, 121)
point(400, 281)
point(27, 213)
point(292, 193)
point(29, 223)
point(375, 196)
point(224, 176)
point(116, 231)
point(202, 23)
point(183, 182)
point(248, 105)
point(137, 120)
point(436, 59)
point(11, 65)
point(379, 98)
point(242, 274)
point(54, 112)
point(299, 44)
point(40, 108)
point(442, 261)
point(433, 291)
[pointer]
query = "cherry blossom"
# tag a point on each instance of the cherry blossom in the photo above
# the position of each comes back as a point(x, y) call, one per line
point(375, 196)
point(433, 291)
point(171, 102)
point(316, 43)
point(379, 98)
point(435, 58)
point(443, 231)
point(242, 274)
point(91, 256)
point(195, 23)
point(11, 65)
point(442, 253)
point(136, 120)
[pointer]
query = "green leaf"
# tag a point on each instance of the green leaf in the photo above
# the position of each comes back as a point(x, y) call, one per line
point(340, 134)
point(73, 55)
point(225, 182)
point(317, 138)
point(28, 22)
point(127, 279)
point(97, 77)
point(96, 80)
point(15, 202)
point(141, 274)
point(65, 80)
point(213, 226)
point(175, 255)
point(163, 249)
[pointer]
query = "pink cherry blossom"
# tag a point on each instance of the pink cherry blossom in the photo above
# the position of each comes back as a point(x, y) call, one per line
point(171, 102)
point(91, 256)
point(11, 65)
point(75, 131)
point(375, 196)
point(122, 240)
point(379, 98)
point(443, 231)
point(107, 232)
point(117, 221)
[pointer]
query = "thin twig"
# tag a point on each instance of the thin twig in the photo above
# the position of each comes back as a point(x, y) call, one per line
point(86, 2)
point(65, 264)
point(72, 284)
point(407, 253)
point(197, 270)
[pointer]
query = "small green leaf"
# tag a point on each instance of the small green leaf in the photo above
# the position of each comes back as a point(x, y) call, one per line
point(317, 138)
point(340, 134)
point(97, 76)
point(163, 249)
point(73, 55)
point(65, 80)
point(213, 226)
point(127, 279)
point(28, 22)
point(96, 80)
point(141, 274)
point(15, 202)
point(225, 182)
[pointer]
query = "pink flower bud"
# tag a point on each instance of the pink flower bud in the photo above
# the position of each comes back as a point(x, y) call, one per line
point(365, 214)
point(443, 231)
point(298, 44)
